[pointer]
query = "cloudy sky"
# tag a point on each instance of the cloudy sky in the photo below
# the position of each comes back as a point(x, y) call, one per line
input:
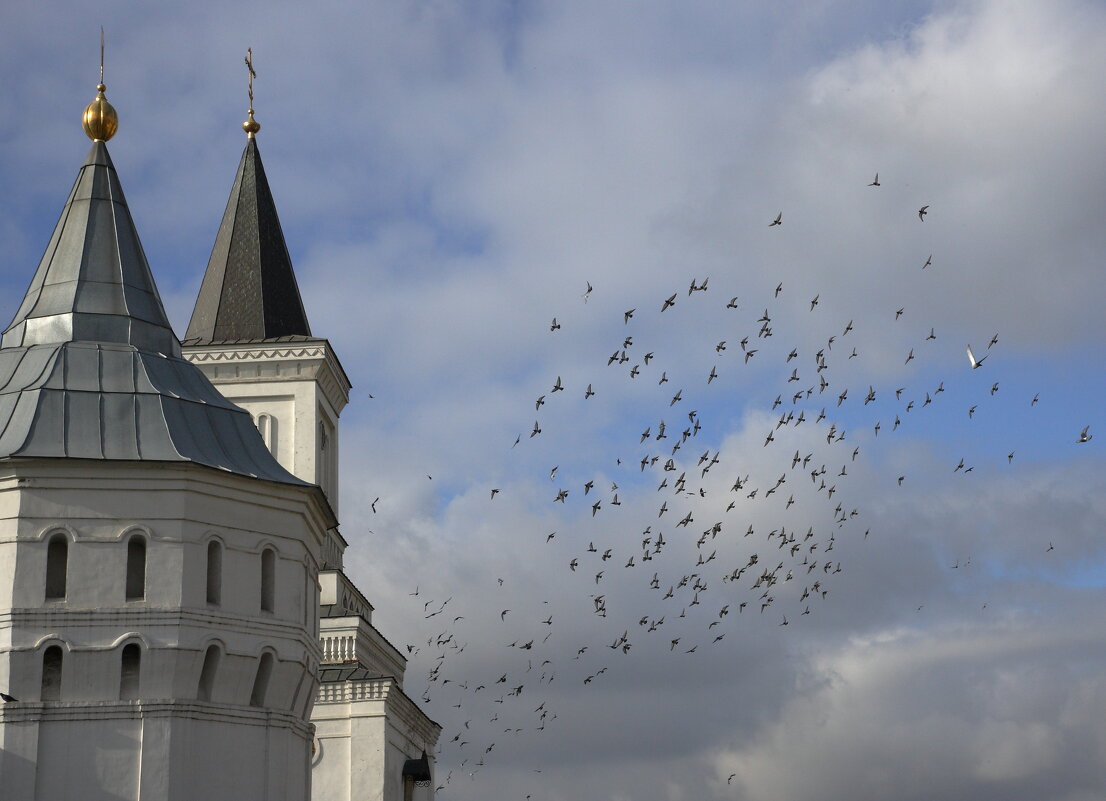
point(452, 176)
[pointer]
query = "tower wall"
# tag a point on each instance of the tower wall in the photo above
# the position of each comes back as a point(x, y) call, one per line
point(295, 391)
point(126, 707)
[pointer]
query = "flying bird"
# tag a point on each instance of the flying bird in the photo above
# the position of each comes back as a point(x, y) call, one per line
point(922, 213)
point(975, 363)
point(875, 181)
point(1084, 436)
point(777, 221)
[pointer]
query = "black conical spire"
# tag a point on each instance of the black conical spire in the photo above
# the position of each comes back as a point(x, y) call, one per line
point(249, 291)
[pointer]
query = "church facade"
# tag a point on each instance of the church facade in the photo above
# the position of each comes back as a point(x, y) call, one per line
point(175, 622)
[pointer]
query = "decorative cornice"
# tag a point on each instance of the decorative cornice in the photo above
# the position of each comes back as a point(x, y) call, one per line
point(148, 620)
point(327, 370)
point(385, 691)
point(41, 711)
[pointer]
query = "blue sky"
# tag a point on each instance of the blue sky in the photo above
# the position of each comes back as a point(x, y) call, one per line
point(452, 176)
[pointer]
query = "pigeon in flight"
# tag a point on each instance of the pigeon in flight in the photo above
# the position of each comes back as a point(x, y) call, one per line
point(975, 363)
point(875, 181)
point(777, 221)
point(922, 213)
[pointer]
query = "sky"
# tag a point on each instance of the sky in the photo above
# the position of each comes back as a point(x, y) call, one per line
point(912, 611)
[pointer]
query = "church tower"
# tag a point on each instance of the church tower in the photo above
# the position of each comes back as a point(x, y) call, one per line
point(158, 566)
point(250, 336)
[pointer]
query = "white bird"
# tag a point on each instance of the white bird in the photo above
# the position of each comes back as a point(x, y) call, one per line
point(973, 361)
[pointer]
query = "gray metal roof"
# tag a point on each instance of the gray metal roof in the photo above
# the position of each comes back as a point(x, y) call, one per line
point(93, 282)
point(249, 291)
point(90, 368)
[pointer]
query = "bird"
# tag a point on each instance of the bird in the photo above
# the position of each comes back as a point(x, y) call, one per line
point(588, 392)
point(555, 325)
point(922, 213)
point(929, 261)
point(7, 699)
point(494, 491)
point(875, 181)
point(374, 505)
point(587, 292)
point(975, 363)
point(557, 386)
point(536, 430)
point(627, 315)
point(777, 221)
point(733, 303)
point(671, 301)
point(1084, 436)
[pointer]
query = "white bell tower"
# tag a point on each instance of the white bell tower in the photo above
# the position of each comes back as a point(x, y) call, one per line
point(250, 336)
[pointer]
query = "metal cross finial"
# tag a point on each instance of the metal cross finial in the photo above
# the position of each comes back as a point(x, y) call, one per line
point(250, 126)
point(249, 66)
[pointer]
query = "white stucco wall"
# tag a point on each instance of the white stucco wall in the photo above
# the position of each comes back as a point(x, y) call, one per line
point(167, 743)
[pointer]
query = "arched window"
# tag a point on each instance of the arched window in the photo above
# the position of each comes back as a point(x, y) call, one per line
point(214, 572)
point(51, 673)
point(57, 565)
point(267, 425)
point(136, 568)
point(207, 673)
point(268, 579)
point(261, 681)
point(129, 672)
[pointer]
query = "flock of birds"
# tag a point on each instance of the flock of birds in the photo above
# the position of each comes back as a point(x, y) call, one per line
point(680, 552)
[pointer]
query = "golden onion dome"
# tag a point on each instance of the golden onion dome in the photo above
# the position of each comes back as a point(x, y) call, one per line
point(100, 119)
